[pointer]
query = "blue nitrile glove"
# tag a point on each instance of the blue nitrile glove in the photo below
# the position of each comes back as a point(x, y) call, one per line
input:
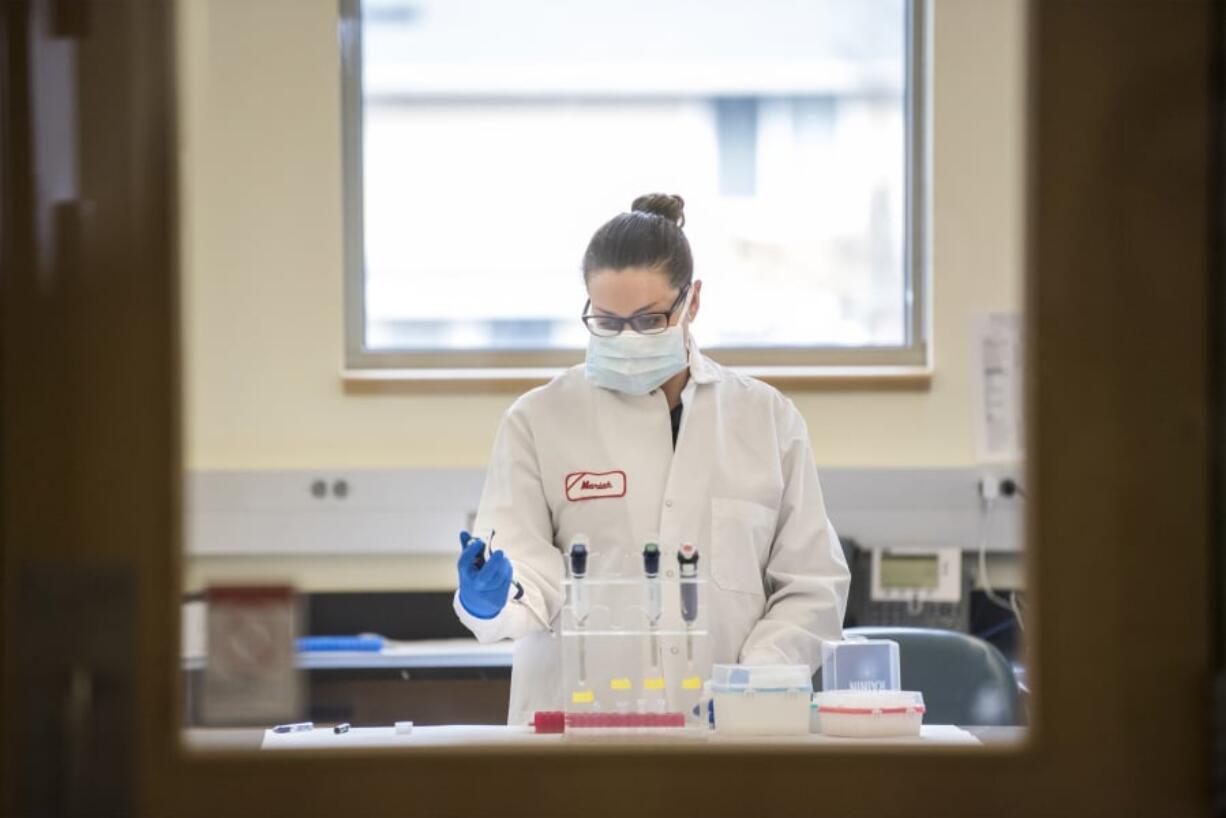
point(484, 584)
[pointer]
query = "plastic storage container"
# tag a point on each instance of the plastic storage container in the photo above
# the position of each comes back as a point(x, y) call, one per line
point(768, 700)
point(870, 713)
point(860, 664)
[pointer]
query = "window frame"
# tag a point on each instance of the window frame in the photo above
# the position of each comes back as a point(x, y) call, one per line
point(909, 363)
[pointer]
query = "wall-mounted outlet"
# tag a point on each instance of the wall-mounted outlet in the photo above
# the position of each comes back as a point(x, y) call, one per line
point(996, 486)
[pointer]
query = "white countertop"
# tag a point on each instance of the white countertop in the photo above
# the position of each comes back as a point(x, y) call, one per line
point(451, 735)
point(426, 653)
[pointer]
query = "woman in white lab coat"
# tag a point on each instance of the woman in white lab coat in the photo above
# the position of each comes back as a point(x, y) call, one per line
point(650, 437)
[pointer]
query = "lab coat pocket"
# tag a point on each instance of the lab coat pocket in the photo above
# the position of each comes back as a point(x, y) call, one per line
point(741, 534)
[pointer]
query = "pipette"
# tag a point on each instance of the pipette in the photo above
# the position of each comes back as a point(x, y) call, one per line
point(487, 551)
point(687, 562)
point(578, 601)
point(651, 569)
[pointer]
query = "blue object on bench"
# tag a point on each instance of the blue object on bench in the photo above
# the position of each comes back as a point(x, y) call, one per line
point(316, 644)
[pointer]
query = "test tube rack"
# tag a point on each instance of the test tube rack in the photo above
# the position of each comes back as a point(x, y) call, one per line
point(618, 668)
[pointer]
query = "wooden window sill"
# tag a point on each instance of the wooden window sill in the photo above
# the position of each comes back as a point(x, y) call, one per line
point(823, 378)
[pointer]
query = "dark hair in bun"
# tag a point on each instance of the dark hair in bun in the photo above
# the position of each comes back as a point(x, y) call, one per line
point(667, 205)
point(648, 236)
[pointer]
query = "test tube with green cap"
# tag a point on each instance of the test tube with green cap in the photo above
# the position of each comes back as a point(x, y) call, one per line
point(651, 574)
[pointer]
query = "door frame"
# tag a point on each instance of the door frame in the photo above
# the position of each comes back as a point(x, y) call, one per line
point(1121, 232)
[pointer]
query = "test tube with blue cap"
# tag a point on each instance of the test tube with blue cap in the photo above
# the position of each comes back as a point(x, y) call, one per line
point(651, 574)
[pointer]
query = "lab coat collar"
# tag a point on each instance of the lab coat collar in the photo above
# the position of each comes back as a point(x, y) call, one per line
point(702, 368)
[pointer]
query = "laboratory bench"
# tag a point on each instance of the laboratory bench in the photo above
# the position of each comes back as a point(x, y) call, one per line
point(433, 681)
point(207, 739)
point(430, 670)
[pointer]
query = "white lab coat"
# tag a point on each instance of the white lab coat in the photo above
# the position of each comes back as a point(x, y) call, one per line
point(741, 485)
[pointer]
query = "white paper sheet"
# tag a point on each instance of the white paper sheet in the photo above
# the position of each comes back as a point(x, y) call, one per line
point(998, 387)
point(438, 735)
point(929, 734)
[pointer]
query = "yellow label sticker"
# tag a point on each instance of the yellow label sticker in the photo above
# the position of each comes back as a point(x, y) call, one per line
point(692, 683)
point(654, 684)
point(620, 684)
point(582, 697)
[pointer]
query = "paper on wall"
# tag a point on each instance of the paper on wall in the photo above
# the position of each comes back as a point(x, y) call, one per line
point(998, 387)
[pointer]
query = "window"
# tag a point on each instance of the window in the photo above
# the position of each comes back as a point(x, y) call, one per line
point(487, 140)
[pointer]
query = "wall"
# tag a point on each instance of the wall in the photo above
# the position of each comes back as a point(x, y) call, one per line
point(262, 268)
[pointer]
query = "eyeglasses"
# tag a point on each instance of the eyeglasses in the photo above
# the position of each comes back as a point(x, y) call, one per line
point(644, 323)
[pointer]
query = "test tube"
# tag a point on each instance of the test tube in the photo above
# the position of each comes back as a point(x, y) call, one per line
point(687, 564)
point(651, 573)
point(579, 601)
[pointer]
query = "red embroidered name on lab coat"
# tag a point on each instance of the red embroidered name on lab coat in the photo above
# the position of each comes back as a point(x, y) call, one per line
point(586, 485)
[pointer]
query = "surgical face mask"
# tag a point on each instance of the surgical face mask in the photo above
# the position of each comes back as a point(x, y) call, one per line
point(636, 364)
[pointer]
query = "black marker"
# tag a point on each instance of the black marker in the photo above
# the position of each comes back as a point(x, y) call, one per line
point(297, 727)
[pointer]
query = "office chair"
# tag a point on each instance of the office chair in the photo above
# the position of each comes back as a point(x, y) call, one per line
point(965, 680)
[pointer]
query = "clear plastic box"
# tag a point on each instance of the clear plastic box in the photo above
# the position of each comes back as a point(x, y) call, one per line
point(766, 700)
point(860, 664)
